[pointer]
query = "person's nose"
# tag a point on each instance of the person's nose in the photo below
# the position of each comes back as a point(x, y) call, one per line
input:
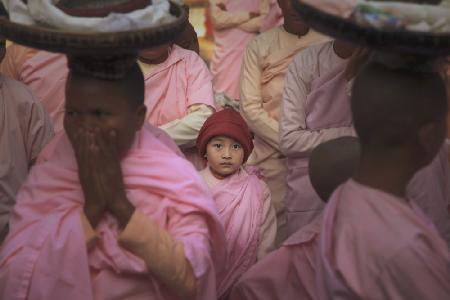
point(87, 121)
point(226, 153)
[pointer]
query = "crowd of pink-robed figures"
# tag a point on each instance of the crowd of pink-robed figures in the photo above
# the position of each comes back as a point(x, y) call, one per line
point(293, 87)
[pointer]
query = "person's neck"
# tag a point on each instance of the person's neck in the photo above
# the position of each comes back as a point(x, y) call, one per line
point(390, 175)
point(294, 31)
point(342, 49)
point(154, 61)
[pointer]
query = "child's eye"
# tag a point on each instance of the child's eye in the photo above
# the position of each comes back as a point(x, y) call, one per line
point(237, 146)
point(218, 146)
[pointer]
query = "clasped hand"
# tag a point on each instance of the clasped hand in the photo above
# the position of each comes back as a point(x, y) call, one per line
point(100, 175)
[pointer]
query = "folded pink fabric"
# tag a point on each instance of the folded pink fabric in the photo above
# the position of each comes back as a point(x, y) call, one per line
point(45, 255)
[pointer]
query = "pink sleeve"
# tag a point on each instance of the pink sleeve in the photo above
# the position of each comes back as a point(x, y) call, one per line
point(89, 232)
point(416, 272)
point(163, 255)
point(296, 140)
point(37, 128)
point(199, 89)
point(252, 110)
point(226, 19)
point(15, 57)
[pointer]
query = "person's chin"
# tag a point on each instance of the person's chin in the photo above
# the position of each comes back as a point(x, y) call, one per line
point(226, 171)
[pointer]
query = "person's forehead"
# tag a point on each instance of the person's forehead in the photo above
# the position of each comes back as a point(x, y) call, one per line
point(223, 138)
point(93, 93)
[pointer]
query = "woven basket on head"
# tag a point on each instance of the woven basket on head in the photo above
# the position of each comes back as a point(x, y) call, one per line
point(55, 40)
point(402, 41)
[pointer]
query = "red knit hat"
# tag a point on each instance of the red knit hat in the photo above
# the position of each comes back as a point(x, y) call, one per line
point(227, 122)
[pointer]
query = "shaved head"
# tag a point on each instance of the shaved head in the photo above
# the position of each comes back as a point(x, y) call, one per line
point(131, 86)
point(332, 163)
point(390, 105)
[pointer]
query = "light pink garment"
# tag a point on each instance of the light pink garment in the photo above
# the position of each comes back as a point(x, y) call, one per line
point(45, 74)
point(239, 199)
point(172, 87)
point(374, 245)
point(164, 138)
point(45, 255)
point(265, 65)
point(179, 82)
point(25, 129)
point(287, 273)
point(430, 190)
point(327, 106)
point(274, 18)
point(229, 48)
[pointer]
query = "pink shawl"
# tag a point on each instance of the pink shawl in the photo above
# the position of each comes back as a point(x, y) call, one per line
point(239, 199)
point(327, 106)
point(45, 256)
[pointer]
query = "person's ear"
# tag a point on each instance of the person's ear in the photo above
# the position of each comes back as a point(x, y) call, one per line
point(141, 112)
point(430, 138)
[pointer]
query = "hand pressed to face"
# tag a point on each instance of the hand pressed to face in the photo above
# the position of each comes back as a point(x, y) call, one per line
point(99, 172)
point(225, 156)
point(101, 126)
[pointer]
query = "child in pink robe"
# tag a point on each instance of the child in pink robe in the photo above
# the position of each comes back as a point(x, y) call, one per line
point(25, 129)
point(293, 266)
point(242, 198)
point(375, 243)
point(103, 215)
point(236, 22)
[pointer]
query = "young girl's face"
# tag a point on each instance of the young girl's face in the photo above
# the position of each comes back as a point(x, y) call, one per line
point(225, 156)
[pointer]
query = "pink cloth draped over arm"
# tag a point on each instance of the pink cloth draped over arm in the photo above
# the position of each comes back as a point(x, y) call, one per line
point(45, 256)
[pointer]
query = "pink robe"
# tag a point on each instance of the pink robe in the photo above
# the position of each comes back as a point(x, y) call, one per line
point(311, 118)
point(265, 65)
point(229, 50)
point(430, 191)
point(375, 245)
point(25, 129)
point(287, 273)
point(239, 199)
point(313, 114)
point(45, 255)
point(45, 73)
point(179, 82)
point(172, 87)
point(274, 18)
